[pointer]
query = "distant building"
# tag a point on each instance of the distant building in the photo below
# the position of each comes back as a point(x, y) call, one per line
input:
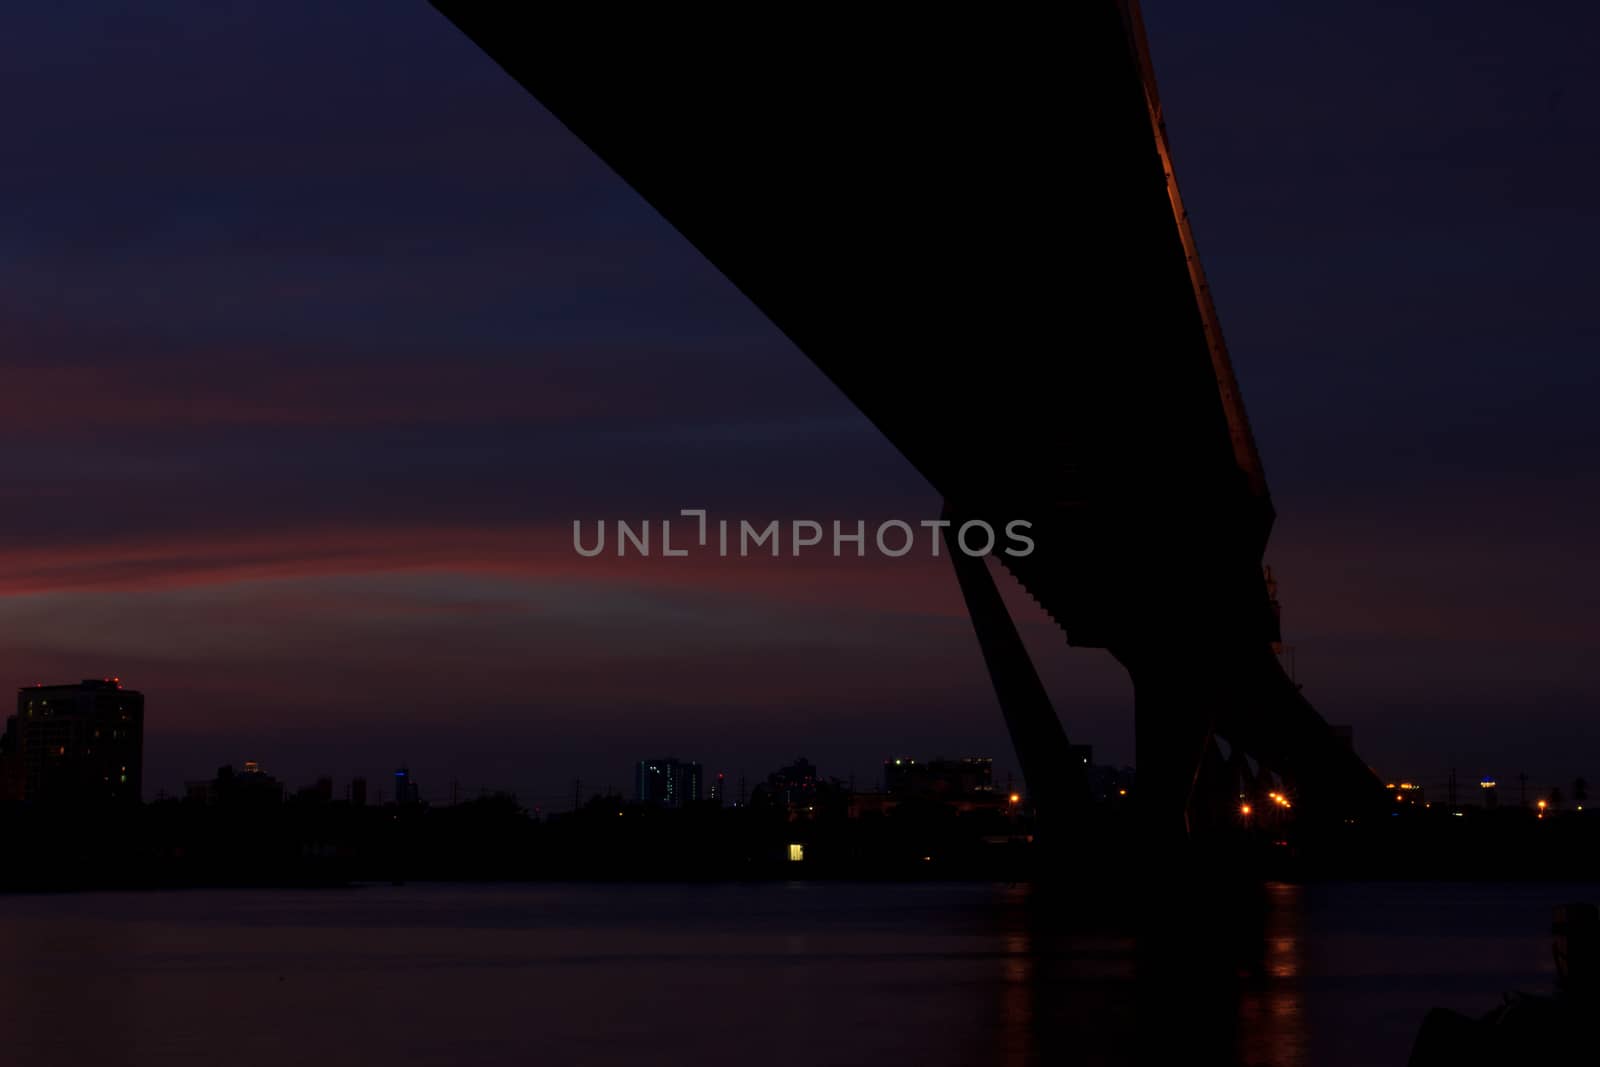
point(74, 744)
point(801, 793)
point(942, 779)
point(719, 789)
point(669, 782)
point(358, 792)
point(971, 774)
point(319, 792)
point(860, 805)
point(897, 771)
point(406, 791)
point(794, 786)
point(247, 788)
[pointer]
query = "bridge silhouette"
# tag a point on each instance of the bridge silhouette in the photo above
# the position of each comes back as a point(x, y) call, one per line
point(973, 228)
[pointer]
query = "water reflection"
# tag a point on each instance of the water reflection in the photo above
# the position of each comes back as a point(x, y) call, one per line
point(1069, 980)
point(833, 973)
point(1017, 996)
point(1272, 1016)
point(1086, 982)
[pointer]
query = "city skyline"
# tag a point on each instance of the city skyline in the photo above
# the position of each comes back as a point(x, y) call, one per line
point(668, 781)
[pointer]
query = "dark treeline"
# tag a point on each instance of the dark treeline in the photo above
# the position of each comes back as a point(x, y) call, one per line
point(302, 842)
point(179, 843)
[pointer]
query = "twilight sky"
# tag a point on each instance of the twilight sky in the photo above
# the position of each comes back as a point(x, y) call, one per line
point(318, 333)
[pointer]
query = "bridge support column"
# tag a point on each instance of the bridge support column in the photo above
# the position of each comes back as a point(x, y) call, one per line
point(1058, 783)
point(1174, 711)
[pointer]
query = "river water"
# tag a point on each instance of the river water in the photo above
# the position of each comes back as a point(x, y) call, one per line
point(670, 974)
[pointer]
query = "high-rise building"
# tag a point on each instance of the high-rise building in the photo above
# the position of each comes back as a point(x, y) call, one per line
point(719, 789)
point(406, 791)
point(358, 791)
point(670, 783)
point(75, 744)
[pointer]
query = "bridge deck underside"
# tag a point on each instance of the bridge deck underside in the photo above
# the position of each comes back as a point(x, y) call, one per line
point(966, 226)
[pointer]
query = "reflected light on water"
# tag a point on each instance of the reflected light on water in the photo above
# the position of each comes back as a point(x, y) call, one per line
point(1272, 1017)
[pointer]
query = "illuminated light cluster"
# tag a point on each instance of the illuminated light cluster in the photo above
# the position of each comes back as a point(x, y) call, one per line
point(1402, 789)
point(1280, 800)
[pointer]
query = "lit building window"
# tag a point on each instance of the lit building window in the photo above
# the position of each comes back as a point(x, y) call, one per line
point(797, 853)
